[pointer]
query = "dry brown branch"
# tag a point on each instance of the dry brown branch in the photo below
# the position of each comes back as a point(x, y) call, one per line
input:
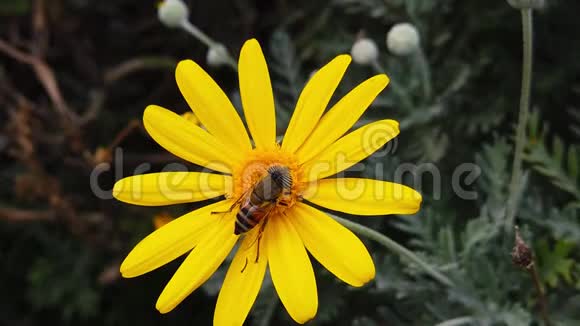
point(137, 64)
point(96, 101)
point(523, 257)
point(40, 29)
point(20, 215)
point(46, 77)
point(121, 135)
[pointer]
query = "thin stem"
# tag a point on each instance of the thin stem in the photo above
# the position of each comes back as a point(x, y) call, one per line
point(393, 246)
point(523, 257)
point(541, 294)
point(197, 33)
point(457, 321)
point(395, 87)
point(515, 183)
point(202, 37)
point(425, 74)
point(121, 135)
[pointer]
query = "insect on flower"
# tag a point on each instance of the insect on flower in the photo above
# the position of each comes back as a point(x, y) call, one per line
point(262, 199)
point(264, 187)
point(259, 202)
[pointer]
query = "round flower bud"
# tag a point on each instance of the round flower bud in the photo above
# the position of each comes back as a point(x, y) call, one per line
point(217, 55)
point(403, 39)
point(364, 51)
point(172, 13)
point(527, 4)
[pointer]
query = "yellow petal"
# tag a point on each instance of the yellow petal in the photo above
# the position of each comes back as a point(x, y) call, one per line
point(257, 96)
point(351, 149)
point(291, 270)
point(313, 101)
point(341, 117)
point(190, 116)
point(171, 241)
point(186, 140)
point(333, 245)
point(200, 264)
point(211, 106)
point(242, 283)
point(363, 196)
point(166, 188)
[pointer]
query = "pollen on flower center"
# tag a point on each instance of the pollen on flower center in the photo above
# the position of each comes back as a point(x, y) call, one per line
point(255, 167)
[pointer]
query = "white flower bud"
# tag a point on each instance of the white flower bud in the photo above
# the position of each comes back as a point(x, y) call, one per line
point(172, 13)
point(364, 51)
point(527, 4)
point(217, 55)
point(403, 39)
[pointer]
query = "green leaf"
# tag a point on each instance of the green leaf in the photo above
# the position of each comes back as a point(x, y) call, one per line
point(558, 149)
point(555, 264)
point(573, 161)
point(560, 166)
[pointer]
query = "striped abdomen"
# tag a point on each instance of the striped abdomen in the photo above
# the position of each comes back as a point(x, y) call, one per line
point(248, 217)
point(263, 198)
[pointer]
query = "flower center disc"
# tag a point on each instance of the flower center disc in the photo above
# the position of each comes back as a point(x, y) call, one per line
point(255, 167)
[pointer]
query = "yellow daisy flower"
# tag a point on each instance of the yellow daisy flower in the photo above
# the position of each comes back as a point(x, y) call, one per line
point(316, 145)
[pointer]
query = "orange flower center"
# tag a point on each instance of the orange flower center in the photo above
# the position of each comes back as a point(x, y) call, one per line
point(255, 167)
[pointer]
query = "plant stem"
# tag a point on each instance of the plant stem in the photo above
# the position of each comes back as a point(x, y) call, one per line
point(523, 257)
point(541, 294)
point(197, 33)
point(203, 38)
point(515, 183)
point(395, 87)
point(393, 246)
point(425, 74)
point(457, 321)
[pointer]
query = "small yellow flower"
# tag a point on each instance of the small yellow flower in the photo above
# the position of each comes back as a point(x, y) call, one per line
point(316, 145)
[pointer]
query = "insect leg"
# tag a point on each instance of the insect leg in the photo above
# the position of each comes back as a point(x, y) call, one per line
point(245, 265)
point(237, 202)
point(260, 232)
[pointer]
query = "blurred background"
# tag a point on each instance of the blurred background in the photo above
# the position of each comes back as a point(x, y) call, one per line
point(76, 75)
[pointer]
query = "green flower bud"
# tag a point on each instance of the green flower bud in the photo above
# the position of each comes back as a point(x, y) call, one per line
point(364, 51)
point(172, 13)
point(217, 55)
point(403, 39)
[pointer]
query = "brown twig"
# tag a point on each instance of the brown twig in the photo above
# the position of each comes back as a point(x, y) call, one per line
point(96, 101)
point(105, 154)
point(523, 257)
point(19, 215)
point(541, 294)
point(121, 135)
point(44, 74)
point(40, 29)
point(137, 64)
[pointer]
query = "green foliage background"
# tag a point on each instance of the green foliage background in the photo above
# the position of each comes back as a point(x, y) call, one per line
point(59, 262)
